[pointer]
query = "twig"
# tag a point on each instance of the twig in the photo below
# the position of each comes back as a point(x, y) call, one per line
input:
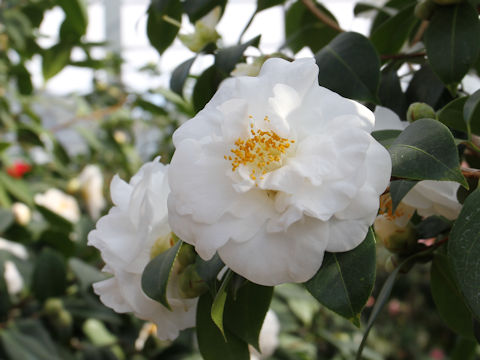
point(321, 15)
point(470, 173)
point(402, 56)
point(421, 30)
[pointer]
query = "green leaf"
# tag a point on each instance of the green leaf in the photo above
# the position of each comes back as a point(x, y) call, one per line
point(56, 221)
point(6, 219)
point(266, 4)
point(157, 273)
point(425, 150)
point(76, 15)
point(55, 59)
point(350, 66)
point(23, 347)
point(390, 36)
point(398, 190)
point(5, 302)
point(211, 342)
point(471, 112)
point(452, 114)
point(364, 7)
point(386, 137)
point(432, 227)
point(227, 58)
point(390, 92)
point(85, 273)
point(180, 74)
point(451, 41)
point(24, 82)
point(208, 270)
point(218, 305)
point(465, 349)
point(302, 28)
point(206, 87)
point(17, 188)
point(447, 297)
point(464, 251)
point(345, 280)
point(425, 87)
point(245, 313)
point(49, 275)
point(196, 9)
point(160, 32)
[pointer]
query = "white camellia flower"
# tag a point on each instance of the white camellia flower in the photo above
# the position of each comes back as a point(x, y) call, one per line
point(274, 171)
point(268, 339)
point(428, 197)
point(91, 187)
point(12, 276)
point(22, 213)
point(60, 203)
point(133, 232)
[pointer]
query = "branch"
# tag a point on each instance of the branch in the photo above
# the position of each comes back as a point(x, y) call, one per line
point(470, 173)
point(421, 30)
point(402, 56)
point(321, 15)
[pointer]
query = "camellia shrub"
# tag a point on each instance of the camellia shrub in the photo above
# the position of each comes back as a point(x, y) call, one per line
point(298, 184)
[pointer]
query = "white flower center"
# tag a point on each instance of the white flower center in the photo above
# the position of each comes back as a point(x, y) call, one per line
point(262, 152)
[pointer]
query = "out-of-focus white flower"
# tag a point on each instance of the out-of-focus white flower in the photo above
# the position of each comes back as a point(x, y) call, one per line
point(126, 237)
point(147, 329)
point(91, 187)
point(274, 171)
point(12, 247)
point(22, 213)
point(60, 203)
point(268, 339)
point(244, 69)
point(205, 32)
point(386, 119)
point(12, 277)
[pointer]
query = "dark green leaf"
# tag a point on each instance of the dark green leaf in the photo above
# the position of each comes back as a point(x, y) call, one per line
point(451, 41)
point(208, 270)
point(24, 82)
point(364, 7)
point(206, 87)
point(302, 28)
point(386, 137)
point(227, 58)
point(179, 75)
point(425, 150)
point(471, 112)
point(447, 297)
point(425, 87)
point(465, 349)
point(85, 273)
point(157, 273)
point(49, 275)
point(5, 302)
point(432, 226)
point(76, 15)
point(17, 188)
point(390, 36)
point(6, 219)
point(160, 32)
point(244, 313)
point(266, 4)
point(196, 9)
point(211, 341)
point(398, 190)
point(476, 330)
point(345, 280)
point(55, 59)
point(349, 65)
point(218, 305)
point(390, 92)
point(464, 251)
point(452, 114)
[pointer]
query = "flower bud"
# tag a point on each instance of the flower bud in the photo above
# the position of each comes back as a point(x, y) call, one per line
point(120, 136)
point(64, 319)
point(186, 255)
point(424, 9)
point(53, 306)
point(190, 283)
point(420, 111)
point(397, 239)
point(22, 213)
point(205, 32)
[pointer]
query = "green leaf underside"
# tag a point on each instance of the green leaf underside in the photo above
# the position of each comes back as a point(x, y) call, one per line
point(398, 190)
point(451, 41)
point(464, 251)
point(350, 66)
point(157, 273)
point(345, 280)
point(448, 299)
point(426, 150)
point(218, 305)
point(211, 342)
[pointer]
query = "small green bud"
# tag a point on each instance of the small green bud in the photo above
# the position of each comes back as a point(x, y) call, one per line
point(190, 284)
point(53, 306)
point(418, 111)
point(64, 319)
point(186, 255)
point(425, 9)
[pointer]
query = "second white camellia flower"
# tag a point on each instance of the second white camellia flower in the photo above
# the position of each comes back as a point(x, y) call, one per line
point(275, 171)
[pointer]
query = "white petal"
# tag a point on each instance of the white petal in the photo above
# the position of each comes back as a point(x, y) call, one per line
point(386, 119)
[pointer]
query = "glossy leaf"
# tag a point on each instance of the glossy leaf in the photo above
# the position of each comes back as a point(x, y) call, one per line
point(471, 112)
point(49, 275)
point(452, 114)
point(447, 297)
point(464, 251)
point(157, 273)
point(386, 137)
point(245, 312)
point(208, 271)
point(196, 9)
point(350, 66)
point(425, 87)
point(227, 58)
point(425, 150)
point(206, 87)
point(218, 305)
point(451, 41)
point(160, 32)
point(390, 92)
point(390, 36)
point(211, 342)
point(432, 226)
point(398, 190)
point(266, 4)
point(345, 280)
point(180, 74)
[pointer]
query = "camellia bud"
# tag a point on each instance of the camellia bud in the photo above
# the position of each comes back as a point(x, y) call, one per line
point(418, 111)
point(22, 213)
point(53, 306)
point(190, 284)
point(397, 239)
point(425, 9)
point(186, 255)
